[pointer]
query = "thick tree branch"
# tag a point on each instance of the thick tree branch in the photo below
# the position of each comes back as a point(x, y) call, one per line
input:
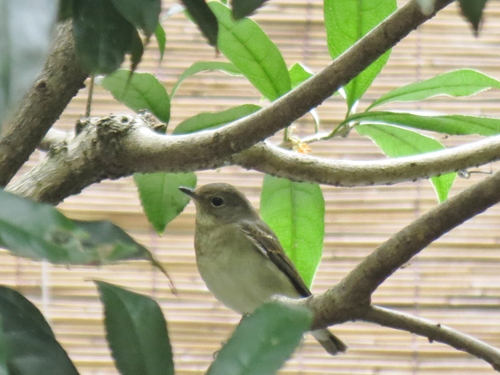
point(350, 298)
point(53, 138)
point(217, 146)
point(213, 148)
point(88, 156)
point(434, 332)
point(60, 80)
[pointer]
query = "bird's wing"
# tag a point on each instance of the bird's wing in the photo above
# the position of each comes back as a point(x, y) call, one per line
point(268, 244)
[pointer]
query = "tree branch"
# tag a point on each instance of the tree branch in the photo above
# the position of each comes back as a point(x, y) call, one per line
point(352, 295)
point(266, 158)
point(211, 149)
point(53, 138)
point(131, 138)
point(434, 332)
point(59, 81)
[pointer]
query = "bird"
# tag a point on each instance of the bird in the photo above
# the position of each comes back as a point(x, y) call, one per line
point(240, 258)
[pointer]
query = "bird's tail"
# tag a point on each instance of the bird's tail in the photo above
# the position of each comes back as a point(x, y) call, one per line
point(329, 341)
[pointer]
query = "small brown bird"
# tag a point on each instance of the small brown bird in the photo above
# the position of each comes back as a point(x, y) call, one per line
point(240, 258)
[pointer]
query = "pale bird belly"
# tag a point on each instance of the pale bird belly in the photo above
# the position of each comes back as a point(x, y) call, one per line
point(243, 279)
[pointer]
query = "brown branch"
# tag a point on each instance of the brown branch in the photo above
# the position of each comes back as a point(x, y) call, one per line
point(59, 81)
point(211, 149)
point(216, 146)
point(266, 158)
point(54, 178)
point(54, 138)
point(434, 332)
point(352, 295)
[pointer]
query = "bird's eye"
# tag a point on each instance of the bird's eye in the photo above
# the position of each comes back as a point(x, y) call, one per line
point(217, 201)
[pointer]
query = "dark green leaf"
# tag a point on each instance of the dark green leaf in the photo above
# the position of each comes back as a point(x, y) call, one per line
point(462, 82)
point(204, 66)
point(396, 142)
point(244, 8)
point(136, 50)
point(3, 351)
point(102, 35)
point(263, 341)
point(204, 18)
point(142, 91)
point(39, 231)
point(160, 196)
point(296, 213)
point(142, 14)
point(65, 10)
point(298, 74)
point(23, 46)
point(161, 38)
point(246, 45)
point(452, 124)
point(348, 21)
point(204, 121)
point(473, 11)
point(32, 347)
point(136, 332)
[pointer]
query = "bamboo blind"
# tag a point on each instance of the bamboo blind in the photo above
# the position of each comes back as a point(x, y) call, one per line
point(455, 281)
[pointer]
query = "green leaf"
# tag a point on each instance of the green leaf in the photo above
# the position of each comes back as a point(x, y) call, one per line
point(473, 11)
point(38, 231)
point(296, 213)
point(397, 142)
point(142, 14)
point(348, 21)
point(246, 45)
point(141, 91)
point(201, 13)
point(31, 344)
point(3, 350)
point(298, 74)
point(23, 46)
point(160, 196)
point(263, 341)
point(65, 10)
point(452, 124)
point(462, 82)
point(136, 332)
point(102, 36)
point(161, 38)
point(244, 8)
point(136, 50)
point(202, 67)
point(204, 121)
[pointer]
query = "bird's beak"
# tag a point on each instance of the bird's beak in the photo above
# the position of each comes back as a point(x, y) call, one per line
point(188, 191)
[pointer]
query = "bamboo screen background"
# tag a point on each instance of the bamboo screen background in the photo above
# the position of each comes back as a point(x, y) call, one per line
point(456, 281)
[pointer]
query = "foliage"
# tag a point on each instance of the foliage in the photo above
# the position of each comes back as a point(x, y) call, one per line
point(16, 77)
point(107, 30)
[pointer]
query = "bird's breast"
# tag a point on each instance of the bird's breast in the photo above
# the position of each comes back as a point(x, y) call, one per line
point(238, 274)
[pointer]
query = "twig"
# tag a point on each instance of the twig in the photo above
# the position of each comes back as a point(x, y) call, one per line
point(434, 332)
point(88, 108)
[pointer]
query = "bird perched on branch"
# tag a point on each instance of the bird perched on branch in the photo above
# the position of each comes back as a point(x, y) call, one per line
point(240, 258)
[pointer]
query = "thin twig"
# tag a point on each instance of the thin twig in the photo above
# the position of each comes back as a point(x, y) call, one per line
point(434, 332)
point(88, 107)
